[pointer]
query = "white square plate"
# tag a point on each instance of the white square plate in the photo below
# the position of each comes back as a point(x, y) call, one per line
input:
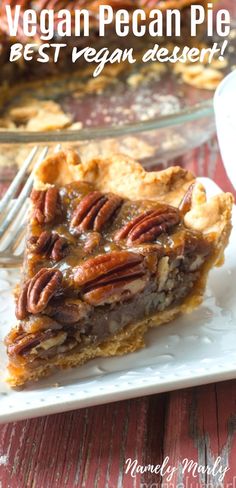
point(192, 350)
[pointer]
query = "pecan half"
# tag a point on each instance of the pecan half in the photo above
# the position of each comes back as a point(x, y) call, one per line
point(45, 204)
point(49, 244)
point(111, 277)
point(26, 343)
point(116, 292)
point(149, 225)
point(23, 343)
point(186, 202)
point(95, 210)
point(37, 292)
point(69, 311)
point(21, 304)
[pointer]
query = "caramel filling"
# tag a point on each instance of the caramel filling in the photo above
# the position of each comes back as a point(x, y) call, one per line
point(96, 263)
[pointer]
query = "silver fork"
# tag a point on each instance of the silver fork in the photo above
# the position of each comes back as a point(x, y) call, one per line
point(13, 213)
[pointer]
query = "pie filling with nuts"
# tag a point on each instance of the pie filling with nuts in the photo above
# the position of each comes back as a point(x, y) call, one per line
point(111, 251)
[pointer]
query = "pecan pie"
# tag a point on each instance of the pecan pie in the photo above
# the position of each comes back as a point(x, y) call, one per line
point(111, 251)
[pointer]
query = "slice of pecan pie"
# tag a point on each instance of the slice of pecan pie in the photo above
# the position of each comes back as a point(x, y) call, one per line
point(111, 251)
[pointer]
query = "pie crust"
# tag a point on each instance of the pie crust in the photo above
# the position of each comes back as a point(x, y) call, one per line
point(169, 193)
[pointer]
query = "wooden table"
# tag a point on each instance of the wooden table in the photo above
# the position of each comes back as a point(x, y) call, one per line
point(89, 448)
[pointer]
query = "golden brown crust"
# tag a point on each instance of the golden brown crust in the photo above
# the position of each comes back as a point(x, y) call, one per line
point(127, 178)
point(119, 174)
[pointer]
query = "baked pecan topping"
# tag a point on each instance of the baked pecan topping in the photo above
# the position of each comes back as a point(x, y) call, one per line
point(95, 210)
point(37, 292)
point(49, 244)
point(149, 225)
point(45, 205)
point(111, 277)
point(186, 202)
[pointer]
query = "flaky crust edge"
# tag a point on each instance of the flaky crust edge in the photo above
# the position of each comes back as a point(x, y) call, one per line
point(124, 176)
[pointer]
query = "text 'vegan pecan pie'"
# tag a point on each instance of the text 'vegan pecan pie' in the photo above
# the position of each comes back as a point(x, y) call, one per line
point(111, 251)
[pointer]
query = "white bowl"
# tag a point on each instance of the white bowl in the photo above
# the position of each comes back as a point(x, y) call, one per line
point(225, 112)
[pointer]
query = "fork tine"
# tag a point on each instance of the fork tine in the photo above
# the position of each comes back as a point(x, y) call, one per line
point(10, 193)
point(22, 197)
point(12, 240)
point(57, 148)
point(19, 237)
point(11, 261)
